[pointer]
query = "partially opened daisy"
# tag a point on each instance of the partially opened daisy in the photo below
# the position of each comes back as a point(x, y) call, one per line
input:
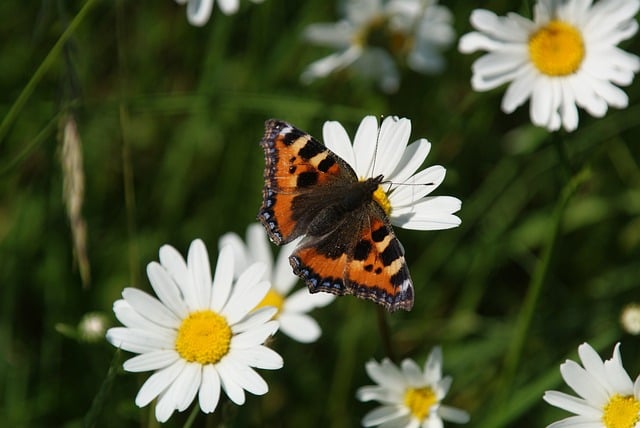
point(199, 335)
point(404, 194)
point(292, 308)
point(608, 397)
point(199, 11)
point(374, 34)
point(565, 58)
point(410, 397)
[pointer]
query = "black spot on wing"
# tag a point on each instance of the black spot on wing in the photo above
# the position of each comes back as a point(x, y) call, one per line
point(391, 253)
point(326, 163)
point(379, 234)
point(307, 179)
point(310, 149)
point(361, 250)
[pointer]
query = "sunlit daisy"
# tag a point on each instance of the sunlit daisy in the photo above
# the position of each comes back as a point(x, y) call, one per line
point(199, 11)
point(409, 396)
point(292, 308)
point(404, 194)
point(566, 57)
point(608, 397)
point(374, 34)
point(199, 335)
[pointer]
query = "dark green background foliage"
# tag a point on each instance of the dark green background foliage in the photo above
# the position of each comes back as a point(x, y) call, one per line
point(170, 117)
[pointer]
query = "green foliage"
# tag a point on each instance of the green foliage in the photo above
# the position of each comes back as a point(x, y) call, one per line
point(170, 117)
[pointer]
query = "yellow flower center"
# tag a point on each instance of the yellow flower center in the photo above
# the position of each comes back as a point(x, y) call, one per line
point(273, 298)
point(204, 337)
point(557, 49)
point(377, 33)
point(621, 412)
point(419, 401)
point(380, 196)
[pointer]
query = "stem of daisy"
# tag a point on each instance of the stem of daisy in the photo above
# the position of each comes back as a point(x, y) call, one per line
point(192, 417)
point(385, 333)
point(538, 279)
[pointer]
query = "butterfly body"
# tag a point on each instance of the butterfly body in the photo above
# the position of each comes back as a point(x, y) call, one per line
point(349, 246)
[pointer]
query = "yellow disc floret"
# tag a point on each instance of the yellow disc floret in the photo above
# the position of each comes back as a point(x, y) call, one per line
point(621, 412)
point(273, 298)
point(378, 33)
point(419, 401)
point(380, 196)
point(203, 337)
point(557, 49)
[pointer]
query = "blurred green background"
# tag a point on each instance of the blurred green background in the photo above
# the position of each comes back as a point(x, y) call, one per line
point(170, 116)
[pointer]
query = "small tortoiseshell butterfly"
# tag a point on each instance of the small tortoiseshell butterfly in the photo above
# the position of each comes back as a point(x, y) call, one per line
point(349, 246)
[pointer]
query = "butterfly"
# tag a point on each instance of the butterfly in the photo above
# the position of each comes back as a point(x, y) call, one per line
point(349, 246)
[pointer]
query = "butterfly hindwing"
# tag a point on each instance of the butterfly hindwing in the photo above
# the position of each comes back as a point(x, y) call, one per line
point(369, 264)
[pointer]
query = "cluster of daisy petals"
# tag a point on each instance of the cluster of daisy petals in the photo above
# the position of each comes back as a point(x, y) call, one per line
point(563, 58)
point(205, 334)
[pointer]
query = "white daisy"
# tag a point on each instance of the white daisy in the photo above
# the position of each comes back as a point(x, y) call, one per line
point(608, 396)
point(293, 308)
point(376, 32)
point(199, 335)
point(199, 11)
point(403, 194)
point(566, 57)
point(409, 397)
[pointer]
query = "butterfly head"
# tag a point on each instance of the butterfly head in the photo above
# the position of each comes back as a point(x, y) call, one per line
point(380, 195)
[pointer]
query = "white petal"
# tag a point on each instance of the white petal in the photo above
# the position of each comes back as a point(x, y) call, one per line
point(577, 422)
point(139, 341)
point(186, 385)
point(453, 414)
point(245, 376)
point(132, 319)
point(385, 373)
point(283, 278)
point(336, 35)
point(150, 308)
point(417, 186)
point(153, 360)
point(432, 213)
point(200, 270)
point(228, 7)
point(258, 245)
point(254, 319)
point(209, 389)
point(583, 383)
point(392, 142)
point(364, 146)
point(222, 279)
point(199, 11)
point(166, 289)
point(518, 91)
point(571, 404)
point(433, 366)
point(327, 65)
point(158, 383)
point(411, 159)
point(412, 373)
point(301, 301)
point(175, 265)
point(254, 337)
point(299, 327)
point(383, 414)
point(246, 295)
point(241, 257)
point(233, 390)
point(259, 357)
point(337, 140)
point(616, 374)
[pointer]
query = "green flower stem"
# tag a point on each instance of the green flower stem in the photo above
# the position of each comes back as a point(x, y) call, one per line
point(385, 333)
point(46, 64)
point(514, 352)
